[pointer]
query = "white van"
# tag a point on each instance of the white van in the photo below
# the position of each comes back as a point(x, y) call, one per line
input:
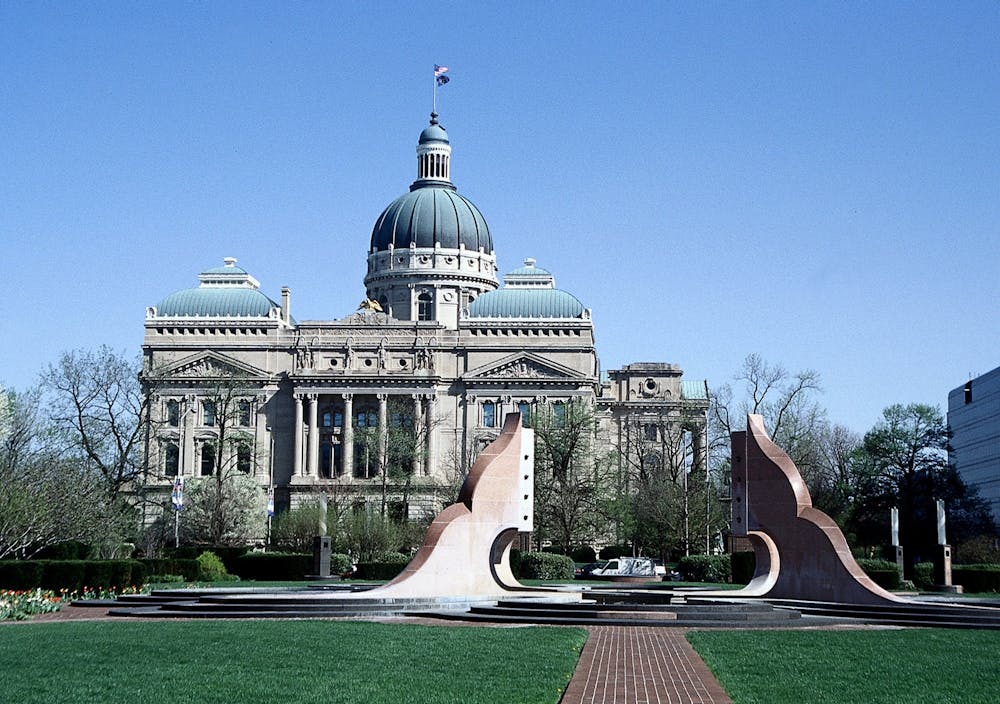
point(627, 567)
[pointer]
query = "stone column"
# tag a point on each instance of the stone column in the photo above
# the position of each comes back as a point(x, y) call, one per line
point(312, 468)
point(430, 450)
point(297, 454)
point(347, 454)
point(417, 420)
point(383, 429)
point(188, 457)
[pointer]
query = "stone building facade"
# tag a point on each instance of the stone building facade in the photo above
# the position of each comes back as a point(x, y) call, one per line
point(438, 347)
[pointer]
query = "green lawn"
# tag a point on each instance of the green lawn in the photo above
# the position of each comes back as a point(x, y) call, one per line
point(845, 667)
point(326, 662)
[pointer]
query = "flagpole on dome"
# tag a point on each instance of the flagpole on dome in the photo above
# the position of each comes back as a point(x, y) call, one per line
point(439, 80)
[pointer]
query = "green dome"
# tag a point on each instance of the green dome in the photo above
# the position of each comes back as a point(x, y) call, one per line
point(220, 302)
point(526, 303)
point(433, 133)
point(432, 215)
point(224, 292)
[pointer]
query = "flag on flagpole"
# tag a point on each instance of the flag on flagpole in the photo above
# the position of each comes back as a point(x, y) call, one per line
point(439, 76)
point(177, 495)
point(270, 502)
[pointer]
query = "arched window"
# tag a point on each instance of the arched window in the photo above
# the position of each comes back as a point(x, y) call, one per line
point(171, 460)
point(207, 459)
point(338, 419)
point(326, 419)
point(425, 305)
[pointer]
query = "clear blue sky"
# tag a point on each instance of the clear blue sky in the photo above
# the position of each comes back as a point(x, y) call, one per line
point(815, 182)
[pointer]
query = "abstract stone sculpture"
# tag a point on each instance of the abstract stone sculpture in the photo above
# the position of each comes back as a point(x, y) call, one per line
point(466, 550)
point(801, 552)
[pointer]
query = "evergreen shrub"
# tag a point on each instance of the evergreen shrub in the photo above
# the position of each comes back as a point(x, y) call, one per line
point(923, 575)
point(341, 564)
point(705, 568)
point(543, 565)
point(211, 568)
point(386, 565)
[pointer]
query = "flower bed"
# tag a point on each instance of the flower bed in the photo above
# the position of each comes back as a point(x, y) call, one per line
point(20, 605)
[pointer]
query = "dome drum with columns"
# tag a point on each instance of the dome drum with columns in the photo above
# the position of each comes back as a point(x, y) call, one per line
point(438, 346)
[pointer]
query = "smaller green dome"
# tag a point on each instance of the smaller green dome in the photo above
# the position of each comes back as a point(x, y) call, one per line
point(216, 303)
point(526, 303)
point(433, 133)
point(224, 292)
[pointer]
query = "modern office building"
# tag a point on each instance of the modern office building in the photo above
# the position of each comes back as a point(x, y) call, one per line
point(974, 421)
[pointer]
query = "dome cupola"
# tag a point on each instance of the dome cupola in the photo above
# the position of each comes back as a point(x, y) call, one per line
point(431, 252)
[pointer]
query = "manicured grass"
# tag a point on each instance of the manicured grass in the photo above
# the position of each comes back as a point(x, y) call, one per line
point(204, 662)
point(844, 667)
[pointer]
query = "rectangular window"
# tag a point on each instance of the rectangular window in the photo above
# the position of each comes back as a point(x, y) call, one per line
point(207, 459)
point(172, 460)
point(489, 415)
point(244, 461)
point(524, 408)
point(244, 413)
point(649, 431)
point(208, 413)
point(173, 413)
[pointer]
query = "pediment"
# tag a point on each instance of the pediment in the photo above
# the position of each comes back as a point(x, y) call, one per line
point(212, 365)
point(523, 365)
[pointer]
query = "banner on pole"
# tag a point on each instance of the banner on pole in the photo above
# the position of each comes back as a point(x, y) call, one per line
point(177, 495)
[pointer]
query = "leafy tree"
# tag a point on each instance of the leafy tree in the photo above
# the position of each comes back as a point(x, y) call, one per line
point(903, 463)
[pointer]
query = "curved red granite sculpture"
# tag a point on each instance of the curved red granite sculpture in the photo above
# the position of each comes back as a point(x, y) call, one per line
point(801, 552)
point(466, 550)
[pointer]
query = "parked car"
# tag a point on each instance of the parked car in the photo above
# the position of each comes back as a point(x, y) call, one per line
point(586, 570)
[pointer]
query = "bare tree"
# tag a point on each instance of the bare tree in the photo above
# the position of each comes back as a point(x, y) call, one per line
point(570, 486)
point(47, 496)
point(97, 401)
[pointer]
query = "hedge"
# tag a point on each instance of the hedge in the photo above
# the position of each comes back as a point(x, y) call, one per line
point(705, 568)
point(226, 553)
point(578, 553)
point(380, 570)
point(884, 573)
point(272, 566)
point(72, 575)
point(977, 578)
point(543, 565)
point(186, 567)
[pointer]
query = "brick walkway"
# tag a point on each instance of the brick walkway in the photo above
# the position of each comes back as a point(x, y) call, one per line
point(641, 665)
